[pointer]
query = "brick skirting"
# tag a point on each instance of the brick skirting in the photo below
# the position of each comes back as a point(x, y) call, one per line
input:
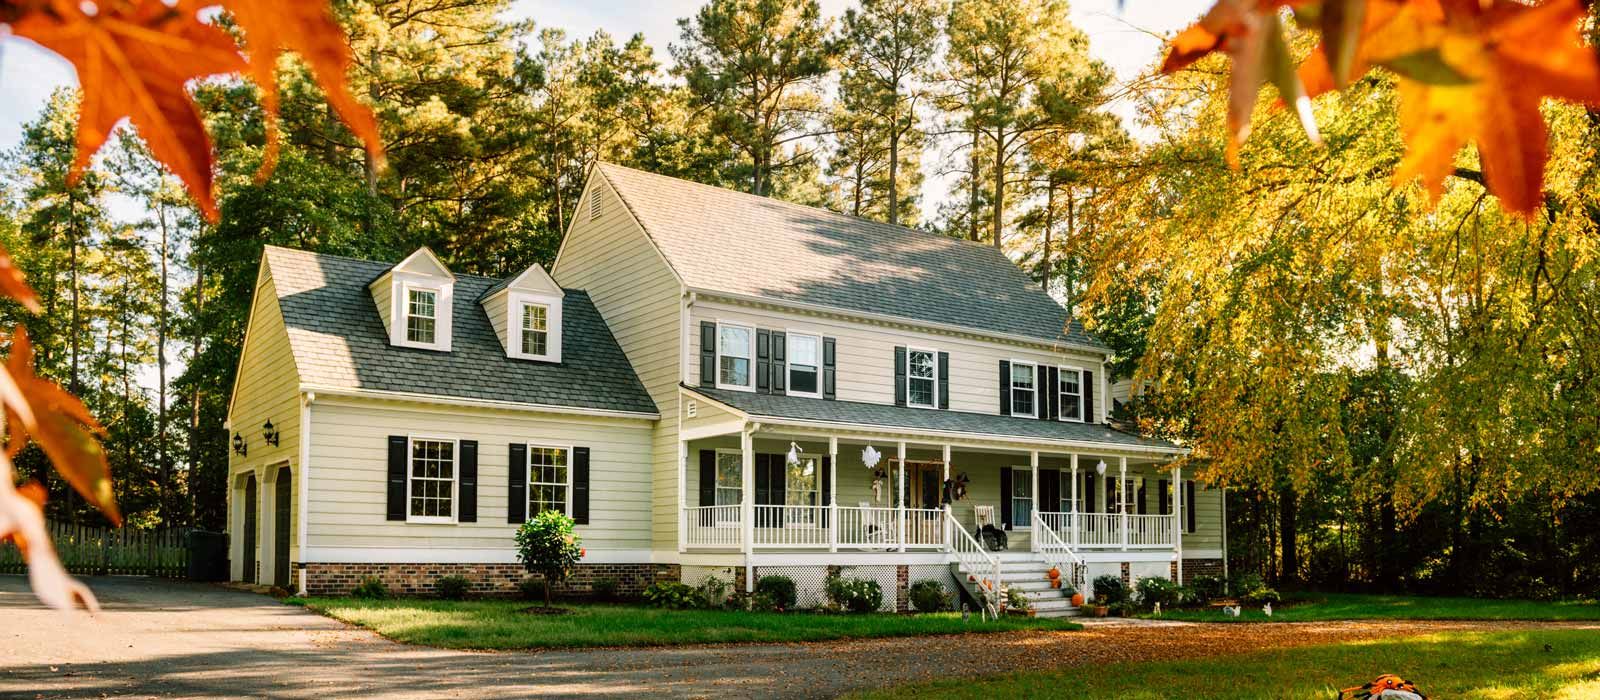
point(486, 579)
point(1200, 567)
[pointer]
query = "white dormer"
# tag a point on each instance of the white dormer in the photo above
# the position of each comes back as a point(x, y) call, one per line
point(414, 299)
point(526, 313)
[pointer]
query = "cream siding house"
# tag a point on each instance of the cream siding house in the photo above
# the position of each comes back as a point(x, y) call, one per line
point(752, 387)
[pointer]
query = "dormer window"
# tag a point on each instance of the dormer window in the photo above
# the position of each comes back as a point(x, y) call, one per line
point(414, 300)
point(422, 320)
point(535, 329)
point(526, 313)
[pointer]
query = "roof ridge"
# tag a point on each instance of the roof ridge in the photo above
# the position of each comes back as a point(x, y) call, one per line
point(370, 261)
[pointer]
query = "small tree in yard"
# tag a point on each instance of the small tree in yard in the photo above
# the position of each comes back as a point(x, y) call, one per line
point(547, 546)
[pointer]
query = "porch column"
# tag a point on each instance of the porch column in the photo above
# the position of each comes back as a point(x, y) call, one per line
point(833, 493)
point(1072, 517)
point(944, 527)
point(683, 495)
point(1122, 499)
point(1177, 520)
point(747, 500)
point(900, 488)
point(1033, 476)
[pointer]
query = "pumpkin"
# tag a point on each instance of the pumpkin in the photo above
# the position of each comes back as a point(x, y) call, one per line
point(1055, 583)
point(971, 578)
point(1054, 573)
point(1077, 599)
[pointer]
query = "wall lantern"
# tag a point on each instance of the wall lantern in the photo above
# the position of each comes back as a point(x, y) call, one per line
point(239, 446)
point(269, 433)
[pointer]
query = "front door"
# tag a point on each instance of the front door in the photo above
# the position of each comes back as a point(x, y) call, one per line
point(280, 528)
point(924, 484)
point(250, 503)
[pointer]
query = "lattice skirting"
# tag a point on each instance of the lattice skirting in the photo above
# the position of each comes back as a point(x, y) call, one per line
point(809, 583)
point(936, 572)
point(887, 577)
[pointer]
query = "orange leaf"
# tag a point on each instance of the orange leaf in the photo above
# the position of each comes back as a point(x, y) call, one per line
point(62, 426)
point(13, 285)
point(133, 59)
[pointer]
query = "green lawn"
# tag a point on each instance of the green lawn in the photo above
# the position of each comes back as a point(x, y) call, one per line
point(1320, 607)
point(1496, 666)
point(497, 624)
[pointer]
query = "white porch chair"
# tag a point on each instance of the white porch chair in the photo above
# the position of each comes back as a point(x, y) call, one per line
point(877, 525)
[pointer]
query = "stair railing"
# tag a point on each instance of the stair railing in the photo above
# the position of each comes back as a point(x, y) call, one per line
point(1058, 554)
point(971, 555)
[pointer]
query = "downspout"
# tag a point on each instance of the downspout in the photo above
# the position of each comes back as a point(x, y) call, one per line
point(304, 479)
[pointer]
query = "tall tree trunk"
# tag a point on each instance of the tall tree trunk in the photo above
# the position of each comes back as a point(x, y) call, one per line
point(163, 460)
point(894, 164)
point(1287, 507)
point(972, 189)
point(1049, 223)
point(195, 395)
point(72, 268)
point(369, 163)
point(998, 212)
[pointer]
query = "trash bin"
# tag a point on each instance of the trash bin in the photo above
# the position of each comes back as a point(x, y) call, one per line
point(208, 555)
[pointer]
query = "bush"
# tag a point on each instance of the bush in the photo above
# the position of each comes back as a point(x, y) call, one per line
point(1017, 600)
point(531, 588)
point(604, 588)
point(714, 592)
point(1159, 590)
point(1260, 596)
point(1110, 590)
point(547, 546)
point(672, 595)
point(451, 587)
point(929, 595)
point(854, 594)
point(371, 588)
point(779, 591)
point(1208, 588)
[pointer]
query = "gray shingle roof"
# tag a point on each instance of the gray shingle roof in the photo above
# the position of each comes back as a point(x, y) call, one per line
point(721, 240)
point(338, 341)
point(879, 415)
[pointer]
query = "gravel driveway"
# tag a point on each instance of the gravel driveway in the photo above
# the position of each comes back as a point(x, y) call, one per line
point(167, 639)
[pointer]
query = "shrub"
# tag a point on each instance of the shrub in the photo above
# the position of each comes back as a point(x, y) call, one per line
point(1159, 590)
point(779, 591)
point(1017, 600)
point(604, 588)
point(854, 594)
point(758, 600)
point(547, 546)
point(371, 588)
point(1208, 588)
point(714, 592)
point(672, 595)
point(1260, 596)
point(451, 587)
point(1110, 590)
point(929, 595)
point(531, 588)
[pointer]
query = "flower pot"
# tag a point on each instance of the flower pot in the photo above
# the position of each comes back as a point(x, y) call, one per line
point(1101, 611)
point(1077, 600)
point(1054, 574)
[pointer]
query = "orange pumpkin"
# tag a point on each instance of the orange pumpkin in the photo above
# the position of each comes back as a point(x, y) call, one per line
point(971, 578)
point(1054, 573)
point(1077, 599)
point(1055, 583)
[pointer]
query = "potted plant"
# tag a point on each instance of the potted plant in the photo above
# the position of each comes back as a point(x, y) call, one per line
point(1101, 608)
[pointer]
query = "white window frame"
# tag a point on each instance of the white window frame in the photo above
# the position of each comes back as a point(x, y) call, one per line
point(1011, 388)
point(715, 487)
point(421, 290)
point(514, 306)
point(1021, 478)
point(1083, 408)
point(935, 379)
point(788, 364)
point(400, 312)
point(750, 357)
point(1067, 503)
point(527, 505)
point(455, 480)
point(809, 510)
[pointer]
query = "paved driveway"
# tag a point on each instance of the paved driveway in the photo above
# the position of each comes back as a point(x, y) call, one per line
point(166, 639)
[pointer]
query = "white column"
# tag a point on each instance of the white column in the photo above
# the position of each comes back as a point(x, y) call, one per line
point(944, 527)
point(833, 493)
point(683, 495)
point(1177, 519)
point(747, 499)
point(900, 488)
point(1072, 517)
point(1033, 476)
point(1122, 499)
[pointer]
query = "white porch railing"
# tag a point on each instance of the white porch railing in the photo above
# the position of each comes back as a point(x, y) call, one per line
point(969, 553)
point(1058, 553)
point(869, 528)
point(713, 526)
point(924, 528)
point(1108, 530)
point(791, 526)
point(1150, 531)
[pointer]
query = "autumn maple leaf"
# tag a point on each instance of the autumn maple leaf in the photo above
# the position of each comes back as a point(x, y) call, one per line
point(39, 409)
point(134, 58)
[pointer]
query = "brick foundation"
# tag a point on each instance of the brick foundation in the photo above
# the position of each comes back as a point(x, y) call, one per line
point(1200, 567)
point(1127, 575)
point(486, 579)
point(902, 588)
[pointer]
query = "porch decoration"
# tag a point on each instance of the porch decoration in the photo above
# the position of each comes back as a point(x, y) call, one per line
point(870, 457)
point(1100, 468)
point(793, 457)
point(955, 488)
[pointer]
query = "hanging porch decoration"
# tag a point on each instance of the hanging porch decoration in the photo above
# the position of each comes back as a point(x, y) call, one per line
point(955, 488)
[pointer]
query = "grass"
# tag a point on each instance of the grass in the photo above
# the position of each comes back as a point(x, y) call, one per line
point(1494, 666)
point(497, 624)
point(1322, 607)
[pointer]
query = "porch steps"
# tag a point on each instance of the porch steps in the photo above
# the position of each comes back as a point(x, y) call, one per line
point(1030, 577)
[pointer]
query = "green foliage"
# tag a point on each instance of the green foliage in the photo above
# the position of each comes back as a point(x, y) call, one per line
point(531, 588)
point(1110, 590)
point(779, 590)
point(929, 595)
point(547, 546)
point(854, 594)
point(604, 588)
point(714, 592)
point(452, 587)
point(1155, 590)
point(371, 588)
point(1017, 600)
point(672, 595)
point(1207, 588)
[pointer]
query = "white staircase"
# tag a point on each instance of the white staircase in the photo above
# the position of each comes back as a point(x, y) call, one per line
point(1031, 577)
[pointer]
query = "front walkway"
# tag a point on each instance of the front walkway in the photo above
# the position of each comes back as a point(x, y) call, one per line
point(167, 639)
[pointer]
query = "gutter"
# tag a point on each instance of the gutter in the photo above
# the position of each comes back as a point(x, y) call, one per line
point(476, 403)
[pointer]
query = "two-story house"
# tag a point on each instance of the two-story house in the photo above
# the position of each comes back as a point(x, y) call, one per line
point(709, 382)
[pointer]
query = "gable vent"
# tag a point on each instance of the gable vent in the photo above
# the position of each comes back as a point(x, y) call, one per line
point(594, 207)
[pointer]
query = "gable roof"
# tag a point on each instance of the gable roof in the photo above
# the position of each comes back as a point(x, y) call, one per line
point(339, 342)
point(719, 240)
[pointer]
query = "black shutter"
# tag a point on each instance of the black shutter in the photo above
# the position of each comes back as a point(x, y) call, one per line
point(397, 477)
point(1088, 397)
point(900, 375)
point(763, 482)
point(1005, 387)
point(1113, 499)
point(944, 380)
point(1161, 495)
point(1049, 491)
point(1005, 497)
point(780, 471)
point(708, 354)
point(1041, 402)
point(580, 485)
point(1188, 504)
point(1088, 492)
point(825, 493)
point(708, 478)
point(827, 368)
point(1140, 498)
point(1052, 390)
point(780, 367)
point(517, 485)
point(763, 361)
point(468, 490)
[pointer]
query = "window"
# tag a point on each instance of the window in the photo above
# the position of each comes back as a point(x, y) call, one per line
point(735, 345)
point(922, 379)
point(548, 480)
point(800, 489)
point(1021, 499)
point(535, 329)
point(1022, 389)
point(730, 472)
point(421, 315)
point(805, 352)
point(1067, 504)
point(1071, 394)
point(433, 480)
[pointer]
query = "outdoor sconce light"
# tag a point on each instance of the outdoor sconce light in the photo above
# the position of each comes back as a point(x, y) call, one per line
point(239, 446)
point(269, 433)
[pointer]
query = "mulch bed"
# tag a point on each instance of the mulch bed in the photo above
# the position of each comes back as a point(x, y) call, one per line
point(542, 610)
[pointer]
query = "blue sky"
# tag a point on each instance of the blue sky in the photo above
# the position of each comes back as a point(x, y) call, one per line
point(1122, 37)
